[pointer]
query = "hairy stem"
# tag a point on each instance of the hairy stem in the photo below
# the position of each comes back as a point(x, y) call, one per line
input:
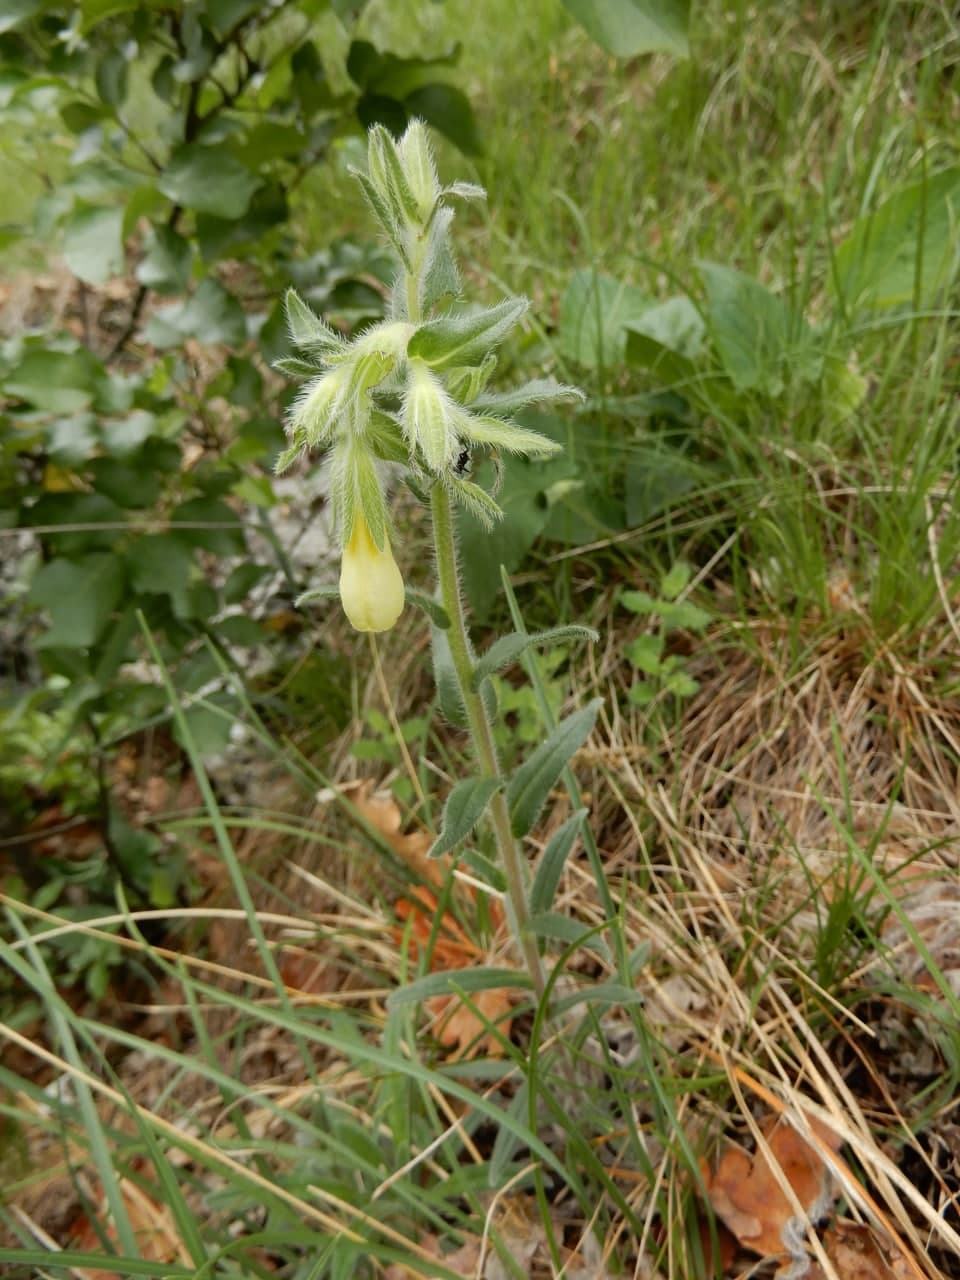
point(481, 732)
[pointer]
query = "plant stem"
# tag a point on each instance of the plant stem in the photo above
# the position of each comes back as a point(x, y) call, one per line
point(481, 732)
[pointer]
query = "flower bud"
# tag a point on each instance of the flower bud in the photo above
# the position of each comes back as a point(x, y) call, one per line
point(371, 587)
point(430, 417)
point(314, 414)
point(418, 166)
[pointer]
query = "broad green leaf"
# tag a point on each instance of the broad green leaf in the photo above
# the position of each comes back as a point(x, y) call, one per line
point(211, 315)
point(670, 368)
point(627, 28)
point(507, 649)
point(656, 476)
point(525, 512)
point(162, 564)
point(482, 978)
point(466, 337)
point(209, 523)
point(209, 180)
point(532, 783)
point(167, 261)
point(676, 324)
point(594, 314)
point(753, 330)
point(465, 806)
point(93, 243)
point(552, 861)
point(907, 250)
point(79, 596)
point(58, 381)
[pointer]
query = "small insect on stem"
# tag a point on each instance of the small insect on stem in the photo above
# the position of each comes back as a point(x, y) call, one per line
point(462, 465)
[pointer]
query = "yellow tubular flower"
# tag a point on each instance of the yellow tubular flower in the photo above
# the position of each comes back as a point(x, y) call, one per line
point(371, 587)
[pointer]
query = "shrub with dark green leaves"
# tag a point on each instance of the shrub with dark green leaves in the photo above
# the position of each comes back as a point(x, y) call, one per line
point(139, 420)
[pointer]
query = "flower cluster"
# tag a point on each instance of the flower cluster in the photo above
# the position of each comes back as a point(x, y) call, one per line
point(411, 390)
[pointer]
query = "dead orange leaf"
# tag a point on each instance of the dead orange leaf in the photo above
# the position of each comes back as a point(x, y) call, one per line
point(463, 1030)
point(748, 1199)
point(857, 1254)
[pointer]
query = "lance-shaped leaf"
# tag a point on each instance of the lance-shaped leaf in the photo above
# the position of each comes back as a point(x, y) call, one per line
point(383, 214)
point(432, 608)
point(482, 978)
point(307, 330)
point(296, 368)
point(552, 862)
point(466, 805)
point(510, 647)
point(462, 339)
point(531, 784)
point(476, 500)
point(327, 591)
point(465, 191)
point(539, 391)
point(386, 171)
point(506, 435)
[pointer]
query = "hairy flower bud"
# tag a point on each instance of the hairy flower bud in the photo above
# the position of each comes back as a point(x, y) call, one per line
point(371, 587)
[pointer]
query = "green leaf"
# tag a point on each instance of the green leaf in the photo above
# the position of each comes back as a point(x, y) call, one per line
point(466, 337)
point(162, 564)
point(295, 368)
point(93, 243)
point(600, 993)
point(627, 28)
point(59, 381)
point(676, 324)
point(507, 649)
point(482, 978)
point(326, 591)
point(552, 861)
point(79, 595)
point(907, 250)
point(646, 653)
point(526, 511)
point(539, 391)
point(167, 261)
point(675, 580)
point(594, 314)
point(307, 330)
point(754, 331)
point(14, 12)
point(209, 523)
point(211, 314)
point(209, 180)
point(552, 926)
point(432, 608)
point(449, 111)
point(445, 678)
point(656, 477)
point(465, 806)
point(111, 77)
point(532, 783)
